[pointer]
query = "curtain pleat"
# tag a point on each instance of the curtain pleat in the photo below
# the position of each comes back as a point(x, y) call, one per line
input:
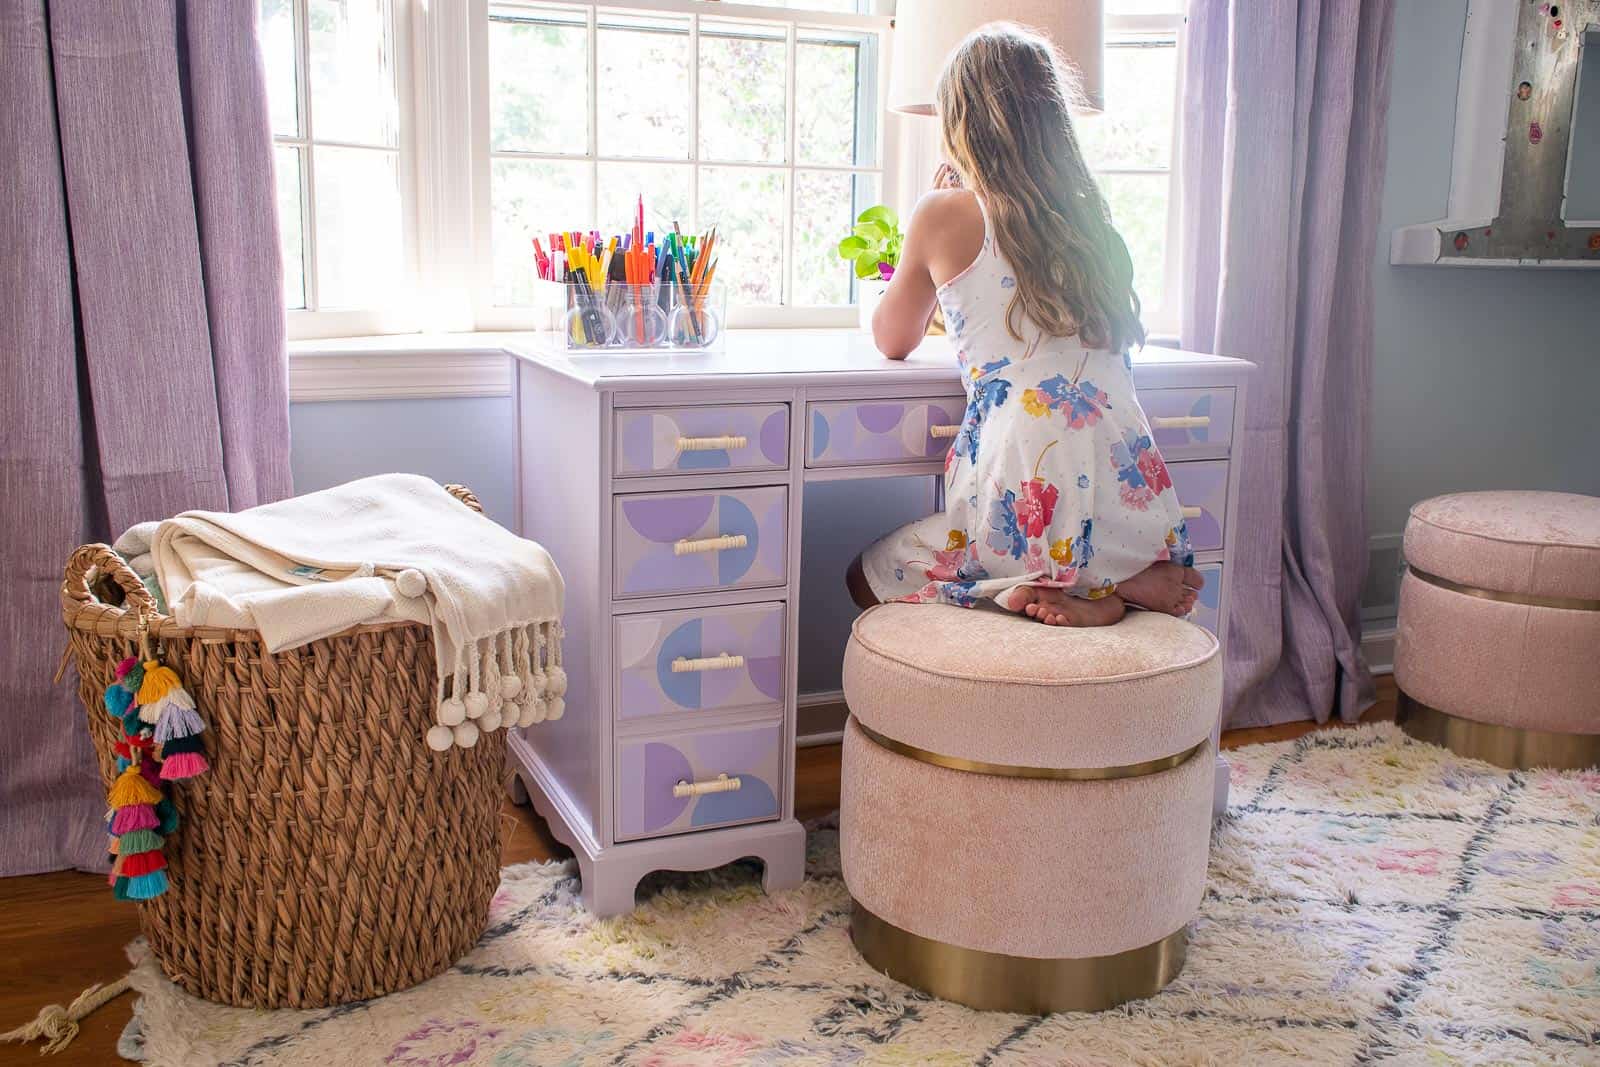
point(1282, 153)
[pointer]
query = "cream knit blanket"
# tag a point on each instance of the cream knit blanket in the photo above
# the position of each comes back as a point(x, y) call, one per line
point(395, 547)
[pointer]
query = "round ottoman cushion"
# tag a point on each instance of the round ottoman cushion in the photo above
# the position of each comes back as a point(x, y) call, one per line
point(1533, 543)
point(992, 687)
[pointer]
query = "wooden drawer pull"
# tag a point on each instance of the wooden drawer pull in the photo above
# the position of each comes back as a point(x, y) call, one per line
point(943, 431)
point(1192, 513)
point(723, 662)
point(712, 444)
point(709, 544)
point(720, 784)
point(1180, 422)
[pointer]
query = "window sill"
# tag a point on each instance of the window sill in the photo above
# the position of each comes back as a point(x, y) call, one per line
point(399, 367)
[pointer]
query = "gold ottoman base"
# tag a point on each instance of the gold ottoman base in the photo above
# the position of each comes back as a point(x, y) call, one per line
point(992, 981)
point(1505, 746)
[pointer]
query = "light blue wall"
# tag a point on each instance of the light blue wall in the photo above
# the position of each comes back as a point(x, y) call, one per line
point(450, 440)
point(470, 441)
point(1482, 378)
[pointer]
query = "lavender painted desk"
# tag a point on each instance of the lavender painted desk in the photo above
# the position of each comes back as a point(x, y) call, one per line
point(669, 490)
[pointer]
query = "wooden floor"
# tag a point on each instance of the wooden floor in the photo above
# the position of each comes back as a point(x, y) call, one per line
point(62, 932)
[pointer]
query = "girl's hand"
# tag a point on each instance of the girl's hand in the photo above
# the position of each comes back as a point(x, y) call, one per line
point(946, 177)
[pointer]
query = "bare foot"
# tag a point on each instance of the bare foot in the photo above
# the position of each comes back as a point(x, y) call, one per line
point(1165, 587)
point(1056, 607)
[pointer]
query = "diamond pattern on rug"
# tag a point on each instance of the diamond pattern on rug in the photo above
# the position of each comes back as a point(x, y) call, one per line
point(1370, 900)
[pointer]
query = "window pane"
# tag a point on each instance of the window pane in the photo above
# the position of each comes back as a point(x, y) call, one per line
point(828, 71)
point(352, 72)
point(286, 171)
point(826, 204)
point(741, 93)
point(359, 248)
point(644, 79)
point(277, 56)
point(538, 82)
point(1139, 211)
point(666, 196)
point(747, 208)
point(533, 198)
point(1141, 96)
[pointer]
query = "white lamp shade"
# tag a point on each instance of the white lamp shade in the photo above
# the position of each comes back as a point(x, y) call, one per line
point(927, 31)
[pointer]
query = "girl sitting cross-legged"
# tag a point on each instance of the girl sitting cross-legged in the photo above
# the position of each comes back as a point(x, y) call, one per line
point(1057, 503)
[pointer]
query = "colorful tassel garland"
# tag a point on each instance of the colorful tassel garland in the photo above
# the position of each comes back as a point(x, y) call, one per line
point(151, 772)
point(142, 863)
point(192, 743)
point(142, 887)
point(137, 817)
point(177, 720)
point(160, 741)
point(167, 816)
point(136, 841)
point(130, 790)
point(158, 681)
point(118, 700)
point(181, 765)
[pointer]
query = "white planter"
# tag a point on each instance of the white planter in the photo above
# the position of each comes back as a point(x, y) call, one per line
point(868, 292)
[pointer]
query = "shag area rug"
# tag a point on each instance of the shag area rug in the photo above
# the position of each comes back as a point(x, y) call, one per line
point(1370, 899)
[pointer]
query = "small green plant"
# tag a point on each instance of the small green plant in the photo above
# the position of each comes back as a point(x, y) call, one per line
point(874, 244)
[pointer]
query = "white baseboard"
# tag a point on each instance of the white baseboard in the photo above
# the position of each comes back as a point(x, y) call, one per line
point(1377, 645)
point(820, 718)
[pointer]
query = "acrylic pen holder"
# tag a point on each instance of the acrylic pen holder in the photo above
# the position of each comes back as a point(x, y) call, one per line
point(636, 317)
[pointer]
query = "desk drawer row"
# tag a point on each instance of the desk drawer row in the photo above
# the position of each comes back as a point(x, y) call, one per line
point(667, 543)
point(701, 439)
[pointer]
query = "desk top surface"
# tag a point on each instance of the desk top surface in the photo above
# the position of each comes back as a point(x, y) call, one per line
point(838, 357)
point(821, 356)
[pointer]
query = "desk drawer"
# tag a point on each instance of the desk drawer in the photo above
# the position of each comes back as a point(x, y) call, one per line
point(847, 433)
point(1202, 489)
point(1208, 603)
point(691, 542)
point(699, 660)
point(673, 782)
point(1187, 422)
point(690, 440)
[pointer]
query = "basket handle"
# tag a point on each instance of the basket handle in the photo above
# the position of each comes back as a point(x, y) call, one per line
point(90, 562)
point(466, 496)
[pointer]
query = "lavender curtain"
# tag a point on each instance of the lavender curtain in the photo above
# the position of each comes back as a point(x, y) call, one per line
point(142, 337)
point(1283, 142)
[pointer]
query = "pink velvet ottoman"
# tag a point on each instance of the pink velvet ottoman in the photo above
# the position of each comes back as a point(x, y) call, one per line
point(1497, 654)
point(1026, 810)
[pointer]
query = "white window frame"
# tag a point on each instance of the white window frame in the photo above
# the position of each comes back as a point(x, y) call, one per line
point(396, 316)
point(1122, 31)
point(794, 22)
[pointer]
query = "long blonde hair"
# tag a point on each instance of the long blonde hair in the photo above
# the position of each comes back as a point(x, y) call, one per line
point(1003, 108)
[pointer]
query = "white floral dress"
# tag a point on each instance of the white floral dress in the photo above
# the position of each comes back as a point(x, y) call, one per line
point(1053, 479)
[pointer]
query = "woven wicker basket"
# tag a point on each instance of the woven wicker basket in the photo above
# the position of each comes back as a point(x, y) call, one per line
point(329, 855)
